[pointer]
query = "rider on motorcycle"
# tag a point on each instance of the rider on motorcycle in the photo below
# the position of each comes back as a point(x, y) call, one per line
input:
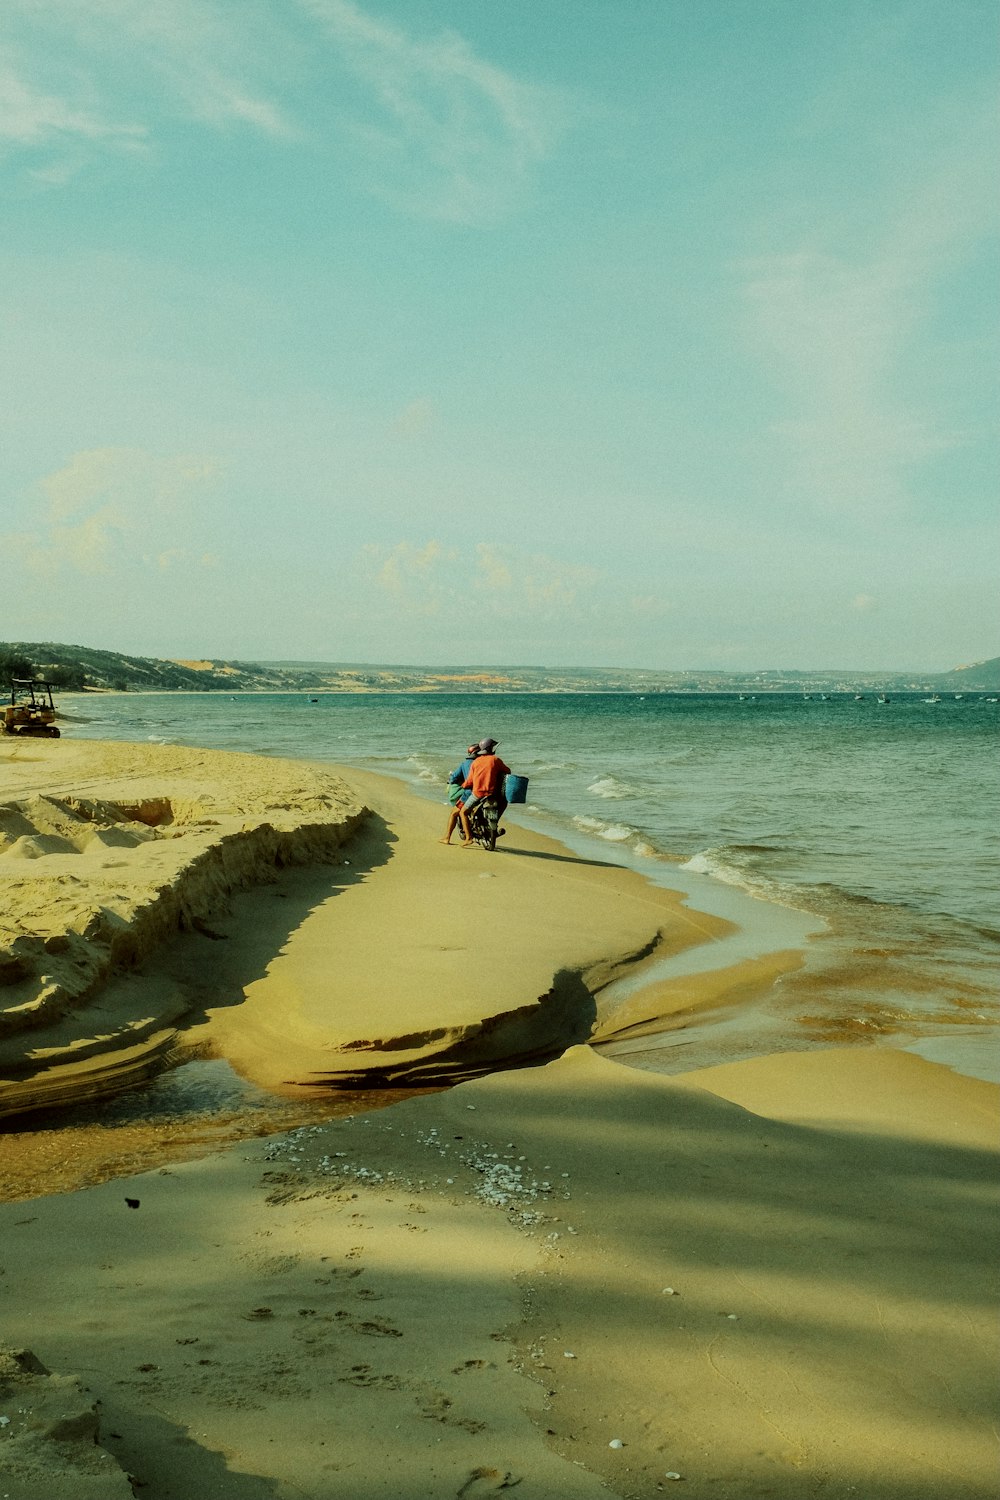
point(486, 777)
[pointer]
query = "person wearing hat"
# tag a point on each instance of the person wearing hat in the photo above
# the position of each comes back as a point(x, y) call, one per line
point(457, 793)
point(486, 779)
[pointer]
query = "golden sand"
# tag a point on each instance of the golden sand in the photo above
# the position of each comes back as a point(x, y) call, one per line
point(569, 1279)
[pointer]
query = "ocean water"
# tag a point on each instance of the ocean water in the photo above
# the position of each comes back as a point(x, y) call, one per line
point(869, 832)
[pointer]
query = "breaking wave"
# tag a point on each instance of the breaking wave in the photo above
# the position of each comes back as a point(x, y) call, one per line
point(724, 864)
point(610, 787)
point(615, 833)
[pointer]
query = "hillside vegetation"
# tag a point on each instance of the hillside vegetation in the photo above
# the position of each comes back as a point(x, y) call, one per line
point(76, 668)
point(79, 667)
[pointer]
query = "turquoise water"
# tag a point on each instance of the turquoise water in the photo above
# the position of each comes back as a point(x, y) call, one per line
point(880, 823)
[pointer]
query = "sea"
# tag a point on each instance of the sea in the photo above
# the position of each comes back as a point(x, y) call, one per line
point(864, 833)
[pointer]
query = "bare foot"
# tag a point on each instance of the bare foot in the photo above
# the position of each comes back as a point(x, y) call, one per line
point(444, 841)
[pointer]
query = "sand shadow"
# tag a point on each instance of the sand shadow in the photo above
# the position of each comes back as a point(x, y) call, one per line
point(205, 968)
point(561, 859)
point(854, 1229)
point(149, 1448)
point(262, 921)
point(527, 1037)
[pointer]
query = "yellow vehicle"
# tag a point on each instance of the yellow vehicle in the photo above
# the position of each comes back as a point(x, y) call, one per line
point(30, 710)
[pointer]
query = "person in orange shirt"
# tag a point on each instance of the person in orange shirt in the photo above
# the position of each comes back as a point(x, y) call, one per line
point(486, 779)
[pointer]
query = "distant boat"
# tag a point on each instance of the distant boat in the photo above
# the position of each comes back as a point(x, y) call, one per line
point(959, 697)
point(883, 698)
point(859, 697)
point(935, 699)
point(807, 697)
point(824, 697)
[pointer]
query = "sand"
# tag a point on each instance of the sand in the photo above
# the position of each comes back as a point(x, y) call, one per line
point(564, 1278)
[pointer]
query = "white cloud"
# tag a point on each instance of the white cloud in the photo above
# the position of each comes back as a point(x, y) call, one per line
point(483, 581)
point(841, 332)
point(417, 579)
point(493, 571)
point(453, 136)
point(836, 330)
point(102, 511)
point(31, 117)
point(531, 580)
point(105, 74)
point(430, 126)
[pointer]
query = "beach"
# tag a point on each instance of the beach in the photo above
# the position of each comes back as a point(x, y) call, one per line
point(480, 1256)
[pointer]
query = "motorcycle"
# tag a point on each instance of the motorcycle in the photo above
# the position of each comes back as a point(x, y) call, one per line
point(483, 821)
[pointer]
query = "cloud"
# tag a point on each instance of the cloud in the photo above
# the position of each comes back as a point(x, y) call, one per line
point(841, 331)
point(516, 584)
point(428, 125)
point(31, 117)
point(483, 582)
point(82, 79)
point(836, 331)
point(110, 508)
point(451, 135)
point(417, 579)
point(493, 570)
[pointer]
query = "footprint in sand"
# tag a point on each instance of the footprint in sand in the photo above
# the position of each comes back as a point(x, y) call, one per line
point(438, 1408)
point(377, 1330)
point(272, 1265)
point(488, 1481)
point(363, 1376)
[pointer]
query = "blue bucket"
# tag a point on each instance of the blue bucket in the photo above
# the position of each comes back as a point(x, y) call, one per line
point(515, 788)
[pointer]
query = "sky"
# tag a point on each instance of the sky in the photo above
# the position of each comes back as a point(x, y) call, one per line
point(654, 333)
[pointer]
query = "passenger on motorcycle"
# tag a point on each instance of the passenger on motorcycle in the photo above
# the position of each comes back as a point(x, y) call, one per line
point(457, 793)
point(486, 779)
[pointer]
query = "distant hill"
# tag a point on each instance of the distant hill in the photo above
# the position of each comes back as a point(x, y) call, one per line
point(86, 667)
point(80, 667)
point(981, 676)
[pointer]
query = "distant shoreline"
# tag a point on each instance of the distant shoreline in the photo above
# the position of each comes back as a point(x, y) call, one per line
point(75, 668)
point(502, 692)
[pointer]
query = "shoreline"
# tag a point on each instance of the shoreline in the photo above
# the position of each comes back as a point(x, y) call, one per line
point(880, 970)
point(761, 1278)
point(120, 861)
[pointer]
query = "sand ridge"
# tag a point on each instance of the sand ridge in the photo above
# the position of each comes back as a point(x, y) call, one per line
point(107, 851)
point(394, 960)
point(430, 964)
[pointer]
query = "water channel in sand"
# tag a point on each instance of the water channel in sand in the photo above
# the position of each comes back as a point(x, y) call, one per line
point(183, 1112)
